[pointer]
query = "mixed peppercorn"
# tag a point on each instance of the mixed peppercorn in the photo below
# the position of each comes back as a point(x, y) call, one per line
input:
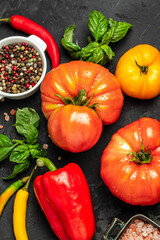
point(20, 67)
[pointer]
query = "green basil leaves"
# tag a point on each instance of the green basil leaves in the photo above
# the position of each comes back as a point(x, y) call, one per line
point(103, 31)
point(22, 151)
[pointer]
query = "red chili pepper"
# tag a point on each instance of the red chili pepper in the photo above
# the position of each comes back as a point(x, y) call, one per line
point(65, 199)
point(30, 27)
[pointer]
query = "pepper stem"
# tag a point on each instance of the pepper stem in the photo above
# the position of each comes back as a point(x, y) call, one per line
point(7, 194)
point(41, 162)
point(5, 20)
point(143, 69)
point(141, 157)
point(25, 188)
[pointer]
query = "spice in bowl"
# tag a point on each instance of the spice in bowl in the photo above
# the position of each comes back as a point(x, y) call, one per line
point(139, 230)
point(20, 67)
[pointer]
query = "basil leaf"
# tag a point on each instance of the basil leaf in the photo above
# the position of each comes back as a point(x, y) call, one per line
point(88, 50)
point(108, 51)
point(73, 49)
point(120, 31)
point(67, 42)
point(28, 131)
point(97, 24)
point(97, 56)
point(6, 146)
point(68, 34)
point(18, 168)
point(20, 154)
point(27, 116)
point(108, 35)
point(37, 151)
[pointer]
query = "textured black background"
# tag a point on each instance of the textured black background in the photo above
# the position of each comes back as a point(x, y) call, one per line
point(55, 16)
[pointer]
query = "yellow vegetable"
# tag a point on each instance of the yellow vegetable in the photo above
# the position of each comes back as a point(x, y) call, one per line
point(19, 211)
point(19, 215)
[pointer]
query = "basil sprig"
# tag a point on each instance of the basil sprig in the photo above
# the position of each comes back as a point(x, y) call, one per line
point(21, 152)
point(103, 31)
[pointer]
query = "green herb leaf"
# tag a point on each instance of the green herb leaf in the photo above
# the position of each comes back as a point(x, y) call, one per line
point(88, 50)
point(97, 56)
point(68, 34)
point(120, 31)
point(73, 49)
point(37, 151)
point(20, 154)
point(67, 42)
point(6, 146)
point(108, 51)
point(108, 35)
point(18, 168)
point(97, 24)
point(27, 116)
point(28, 131)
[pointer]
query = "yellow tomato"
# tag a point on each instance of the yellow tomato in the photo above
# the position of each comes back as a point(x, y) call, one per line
point(138, 72)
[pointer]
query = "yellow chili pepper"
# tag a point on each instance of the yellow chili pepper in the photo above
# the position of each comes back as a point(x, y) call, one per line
point(19, 211)
point(5, 196)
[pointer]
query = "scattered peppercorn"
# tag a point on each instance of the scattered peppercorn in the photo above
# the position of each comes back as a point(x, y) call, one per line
point(13, 112)
point(20, 67)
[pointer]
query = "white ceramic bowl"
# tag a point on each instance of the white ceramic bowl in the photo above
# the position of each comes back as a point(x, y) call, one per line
point(40, 46)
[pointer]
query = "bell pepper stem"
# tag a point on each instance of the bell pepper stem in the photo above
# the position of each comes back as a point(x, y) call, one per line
point(7, 194)
point(41, 162)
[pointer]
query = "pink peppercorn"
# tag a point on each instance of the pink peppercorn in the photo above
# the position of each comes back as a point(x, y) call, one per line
point(14, 68)
point(33, 84)
point(23, 43)
point(6, 78)
point(7, 56)
point(33, 56)
point(12, 81)
point(5, 73)
point(27, 85)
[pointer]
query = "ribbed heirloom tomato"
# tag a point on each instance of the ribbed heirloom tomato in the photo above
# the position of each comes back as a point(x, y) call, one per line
point(138, 72)
point(77, 99)
point(130, 164)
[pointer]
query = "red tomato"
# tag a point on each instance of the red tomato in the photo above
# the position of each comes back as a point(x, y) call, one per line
point(123, 165)
point(75, 128)
point(67, 81)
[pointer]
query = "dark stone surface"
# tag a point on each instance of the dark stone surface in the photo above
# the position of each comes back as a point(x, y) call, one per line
point(56, 15)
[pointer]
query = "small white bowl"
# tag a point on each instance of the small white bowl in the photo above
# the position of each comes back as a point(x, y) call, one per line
point(40, 46)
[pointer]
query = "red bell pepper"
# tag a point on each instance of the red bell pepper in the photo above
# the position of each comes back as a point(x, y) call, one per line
point(65, 199)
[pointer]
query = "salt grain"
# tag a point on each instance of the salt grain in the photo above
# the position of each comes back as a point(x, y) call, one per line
point(6, 117)
point(138, 230)
point(45, 146)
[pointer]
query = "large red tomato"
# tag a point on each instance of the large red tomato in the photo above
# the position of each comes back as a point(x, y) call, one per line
point(130, 164)
point(85, 87)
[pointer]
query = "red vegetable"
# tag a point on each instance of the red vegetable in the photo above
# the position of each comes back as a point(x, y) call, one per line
point(130, 164)
point(65, 199)
point(30, 27)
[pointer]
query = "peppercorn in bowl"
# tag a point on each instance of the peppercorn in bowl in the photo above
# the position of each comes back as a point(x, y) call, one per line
point(22, 66)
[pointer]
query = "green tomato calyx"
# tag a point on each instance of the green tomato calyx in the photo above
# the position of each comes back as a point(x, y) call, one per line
point(141, 157)
point(79, 100)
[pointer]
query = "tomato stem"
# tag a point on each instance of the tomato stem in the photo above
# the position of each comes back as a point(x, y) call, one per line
point(79, 100)
point(143, 69)
point(141, 157)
